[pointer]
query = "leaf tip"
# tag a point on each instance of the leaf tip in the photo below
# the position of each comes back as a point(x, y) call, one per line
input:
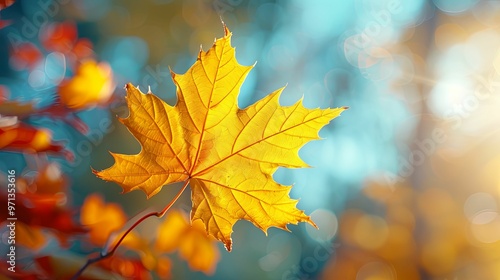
point(201, 52)
point(95, 172)
point(149, 193)
point(128, 86)
point(228, 245)
point(172, 73)
point(310, 221)
point(227, 33)
point(345, 107)
point(301, 99)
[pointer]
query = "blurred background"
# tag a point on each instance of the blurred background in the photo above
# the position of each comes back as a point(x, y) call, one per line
point(405, 184)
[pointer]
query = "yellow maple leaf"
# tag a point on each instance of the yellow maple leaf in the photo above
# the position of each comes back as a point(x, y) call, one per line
point(227, 154)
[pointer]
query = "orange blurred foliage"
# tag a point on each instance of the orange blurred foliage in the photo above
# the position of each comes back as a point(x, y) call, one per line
point(102, 219)
point(30, 237)
point(174, 234)
point(127, 268)
point(378, 245)
point(42, 210)
point(192, 242)
point(388, 244)
point(18, 136)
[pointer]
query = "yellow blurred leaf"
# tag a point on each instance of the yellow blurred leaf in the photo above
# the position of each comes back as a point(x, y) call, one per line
point(103, 219)
point(163, 268)
point(227, 154)
point(192, 242)
point(92, 85)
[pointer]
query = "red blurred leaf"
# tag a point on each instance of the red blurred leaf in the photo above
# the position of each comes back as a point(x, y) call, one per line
point(128, 268)
point(59, 37)
point(6, 3)
point(4, 93)
point(64, 266)
point(5, 23)
point(83, 49)
point(42, 204)
point(22, 137)
point(45, 211)
point(26, 55)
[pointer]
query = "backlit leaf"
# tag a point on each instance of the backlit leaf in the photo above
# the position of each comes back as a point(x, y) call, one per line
point(227, 154)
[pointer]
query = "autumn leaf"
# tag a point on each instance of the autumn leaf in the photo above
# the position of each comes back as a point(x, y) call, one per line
point(22, 137)
point(227, 154)
point(25, 55)
point(63, 37)
point(4, 23)
point(92, 85)
point(192, 242)
point(102, 219)
point(163, 267)
point(5, 3)
point(58, 36)
point(50, 180)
